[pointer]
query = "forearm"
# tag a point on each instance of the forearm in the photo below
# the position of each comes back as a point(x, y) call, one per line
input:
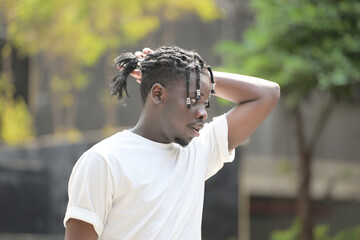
point(241, 88)
point(255, 99)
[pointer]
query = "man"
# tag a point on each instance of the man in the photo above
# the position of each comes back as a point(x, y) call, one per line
point(148, 182)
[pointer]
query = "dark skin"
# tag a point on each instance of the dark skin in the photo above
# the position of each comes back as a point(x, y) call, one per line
point(165, 117)
point(79, 230)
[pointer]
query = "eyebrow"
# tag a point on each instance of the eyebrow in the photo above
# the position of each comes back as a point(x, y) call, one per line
point(192, 97)
point(201, 94)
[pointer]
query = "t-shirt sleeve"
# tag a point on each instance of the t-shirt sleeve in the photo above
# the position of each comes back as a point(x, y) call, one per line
point(218, 144)
point(90, 191)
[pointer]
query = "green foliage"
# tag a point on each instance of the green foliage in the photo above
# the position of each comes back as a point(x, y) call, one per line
point(15, 120)
point(290, 234)
point(351, 234)
point(83, 30)
point(321, 232)
point(304, 45)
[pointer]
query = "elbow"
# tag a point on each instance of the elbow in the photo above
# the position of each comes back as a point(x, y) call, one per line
point(274, 93)
point(276, 90)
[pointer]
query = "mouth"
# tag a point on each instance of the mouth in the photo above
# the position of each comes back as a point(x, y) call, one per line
point(196, 130)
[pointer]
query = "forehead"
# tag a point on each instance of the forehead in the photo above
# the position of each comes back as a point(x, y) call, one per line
point(204, 83)
point(180, 89)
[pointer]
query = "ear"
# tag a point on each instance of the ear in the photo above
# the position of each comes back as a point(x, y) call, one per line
point(158, 93)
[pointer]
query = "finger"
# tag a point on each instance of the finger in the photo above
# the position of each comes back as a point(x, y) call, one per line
point(147, 51)
point(138, 80)
point(136, 74)
point(139, 54)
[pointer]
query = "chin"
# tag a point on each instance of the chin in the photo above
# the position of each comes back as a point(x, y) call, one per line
point(182, 142)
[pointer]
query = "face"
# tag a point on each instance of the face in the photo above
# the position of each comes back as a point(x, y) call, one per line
point(179, 123)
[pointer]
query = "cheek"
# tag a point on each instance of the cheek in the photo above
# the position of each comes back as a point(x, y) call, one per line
point(178, 119)
point(177, 114)
point(177, 109)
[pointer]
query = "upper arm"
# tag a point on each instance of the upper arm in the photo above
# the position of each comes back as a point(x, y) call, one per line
point(79, 230)
point(90, 192)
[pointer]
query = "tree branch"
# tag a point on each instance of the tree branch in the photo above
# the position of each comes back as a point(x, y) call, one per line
point(300, 135)
point(322, 119)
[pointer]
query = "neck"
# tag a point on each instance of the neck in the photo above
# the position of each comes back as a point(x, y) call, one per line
point(148, 127)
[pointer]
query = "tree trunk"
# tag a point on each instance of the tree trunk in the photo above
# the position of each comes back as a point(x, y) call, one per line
point(71, 111)
point(304, 198)
point(7, 63)
point(34, 83)
point(306, 150)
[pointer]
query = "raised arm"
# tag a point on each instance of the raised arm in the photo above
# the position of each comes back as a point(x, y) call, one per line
point(255, 98)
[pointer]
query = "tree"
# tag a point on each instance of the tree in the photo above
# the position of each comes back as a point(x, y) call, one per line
point(72, 35)
point(308, 47)
point(15, 120)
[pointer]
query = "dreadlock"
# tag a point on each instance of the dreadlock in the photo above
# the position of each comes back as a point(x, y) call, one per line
point(166, 65)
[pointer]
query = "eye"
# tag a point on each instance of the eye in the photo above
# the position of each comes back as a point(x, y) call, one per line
point(194, 102)
point(207, 104)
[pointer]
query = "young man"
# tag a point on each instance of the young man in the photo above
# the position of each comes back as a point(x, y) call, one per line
point(148, 182)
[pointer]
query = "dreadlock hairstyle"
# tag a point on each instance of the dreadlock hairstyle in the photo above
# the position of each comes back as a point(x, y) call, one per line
point(166, 65)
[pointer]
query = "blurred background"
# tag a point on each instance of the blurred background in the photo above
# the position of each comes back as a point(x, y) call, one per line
point(298, 176)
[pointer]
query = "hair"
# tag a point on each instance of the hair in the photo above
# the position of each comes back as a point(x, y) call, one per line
point(166, 65)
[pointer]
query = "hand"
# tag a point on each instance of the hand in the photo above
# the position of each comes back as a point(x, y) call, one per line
point(137, 73)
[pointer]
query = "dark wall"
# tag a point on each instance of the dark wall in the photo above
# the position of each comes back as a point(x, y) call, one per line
point(33, 187)
point(220, 217)
point(24, 204)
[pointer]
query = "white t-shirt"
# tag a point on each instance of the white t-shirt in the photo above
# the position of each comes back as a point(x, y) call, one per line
point(129, 187)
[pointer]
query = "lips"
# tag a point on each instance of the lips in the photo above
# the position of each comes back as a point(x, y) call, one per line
point(196, 129)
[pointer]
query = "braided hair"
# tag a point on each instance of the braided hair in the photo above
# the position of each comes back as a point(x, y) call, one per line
point(166, 65)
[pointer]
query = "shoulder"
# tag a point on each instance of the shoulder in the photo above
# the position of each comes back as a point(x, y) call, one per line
point(110, 144)
point(100, 154)
point(214, 136)
point(216, 129)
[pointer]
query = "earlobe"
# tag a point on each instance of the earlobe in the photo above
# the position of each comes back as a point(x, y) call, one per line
point(158, 93)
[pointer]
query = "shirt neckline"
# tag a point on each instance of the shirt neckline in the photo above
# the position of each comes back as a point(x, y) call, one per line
point(149, 142)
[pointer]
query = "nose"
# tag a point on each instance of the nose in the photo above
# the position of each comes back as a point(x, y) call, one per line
point(201, 113)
